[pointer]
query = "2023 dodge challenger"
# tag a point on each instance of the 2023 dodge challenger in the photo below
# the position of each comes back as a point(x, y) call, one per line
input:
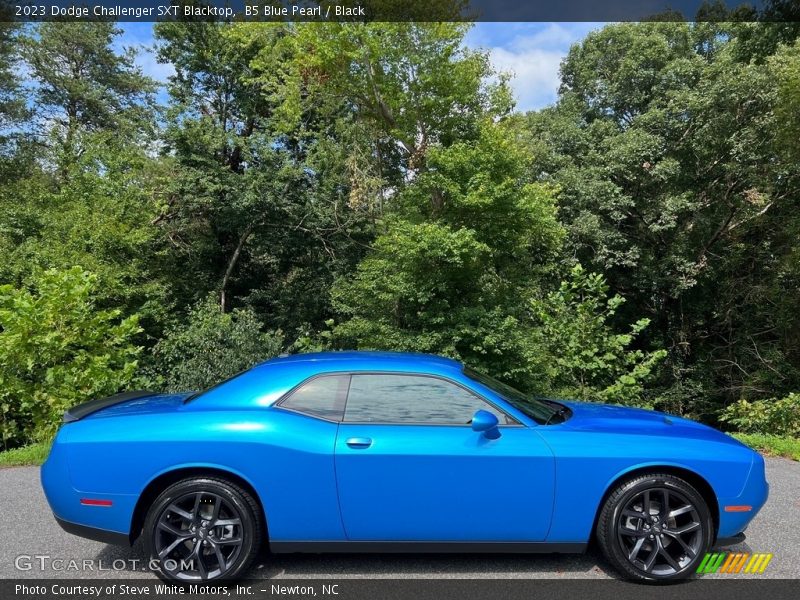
point(380, 452)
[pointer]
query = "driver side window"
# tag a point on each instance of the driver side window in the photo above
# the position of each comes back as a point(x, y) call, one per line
point(418, 399)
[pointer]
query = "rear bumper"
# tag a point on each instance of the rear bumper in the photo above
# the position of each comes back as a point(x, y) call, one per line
point(107, 523)
point(94, 533)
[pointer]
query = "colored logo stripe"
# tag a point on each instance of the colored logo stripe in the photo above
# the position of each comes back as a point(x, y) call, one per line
point(734, 562)
point(711, 562)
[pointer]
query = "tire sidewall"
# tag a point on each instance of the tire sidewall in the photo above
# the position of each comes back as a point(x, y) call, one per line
point(249, 526)
point(630, 489)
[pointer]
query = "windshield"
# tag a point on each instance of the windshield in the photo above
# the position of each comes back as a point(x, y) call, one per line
point(541, 411)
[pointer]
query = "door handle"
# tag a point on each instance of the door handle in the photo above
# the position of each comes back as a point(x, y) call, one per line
point(358, 442)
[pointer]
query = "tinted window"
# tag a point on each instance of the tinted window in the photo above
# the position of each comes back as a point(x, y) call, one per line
point(321, 397)
point(411, 399)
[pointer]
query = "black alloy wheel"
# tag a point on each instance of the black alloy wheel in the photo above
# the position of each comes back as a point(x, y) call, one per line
point(655, 528)
point(203, 530)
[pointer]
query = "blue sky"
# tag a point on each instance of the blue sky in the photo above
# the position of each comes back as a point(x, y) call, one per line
point(531, 52)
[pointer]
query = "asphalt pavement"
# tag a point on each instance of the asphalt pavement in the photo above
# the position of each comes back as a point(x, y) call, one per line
point(34, 546)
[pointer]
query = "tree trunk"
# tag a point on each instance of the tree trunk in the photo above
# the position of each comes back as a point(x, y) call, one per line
point(232, 263)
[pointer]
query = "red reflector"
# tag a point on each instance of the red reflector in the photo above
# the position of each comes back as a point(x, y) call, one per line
point(742, 508)
point(95, 502)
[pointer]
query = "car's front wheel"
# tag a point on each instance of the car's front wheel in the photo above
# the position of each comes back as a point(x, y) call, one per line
point(655, 528)
point(203, 529)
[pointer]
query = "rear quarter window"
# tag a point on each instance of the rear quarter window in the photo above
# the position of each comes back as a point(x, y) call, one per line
point(322, 397)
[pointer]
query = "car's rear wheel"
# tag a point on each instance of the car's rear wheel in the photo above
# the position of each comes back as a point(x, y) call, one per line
point(655, 528)
point(203, 529)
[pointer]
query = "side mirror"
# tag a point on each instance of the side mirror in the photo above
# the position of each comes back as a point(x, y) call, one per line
point(485, 422)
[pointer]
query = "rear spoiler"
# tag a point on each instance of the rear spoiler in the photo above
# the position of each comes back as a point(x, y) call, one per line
point(92, 406)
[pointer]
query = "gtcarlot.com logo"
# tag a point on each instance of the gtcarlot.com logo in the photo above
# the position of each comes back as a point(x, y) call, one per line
point(45, 562)
point(734, 562)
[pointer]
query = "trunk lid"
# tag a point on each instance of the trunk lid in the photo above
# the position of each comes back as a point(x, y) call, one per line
point(126, 403)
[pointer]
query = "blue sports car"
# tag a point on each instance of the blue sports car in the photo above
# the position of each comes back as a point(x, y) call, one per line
point(385, 452)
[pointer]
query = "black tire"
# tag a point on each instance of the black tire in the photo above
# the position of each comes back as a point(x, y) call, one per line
point(203, 529)
point(664, 543)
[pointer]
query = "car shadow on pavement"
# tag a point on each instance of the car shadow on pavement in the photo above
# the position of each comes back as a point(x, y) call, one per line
point(390, 566)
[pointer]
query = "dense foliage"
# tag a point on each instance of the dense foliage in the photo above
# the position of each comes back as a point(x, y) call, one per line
point(58, 349)
point(370, 186)
point(210, 346)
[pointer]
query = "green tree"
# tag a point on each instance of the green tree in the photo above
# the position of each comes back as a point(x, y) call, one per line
point(413, 85)
point(452, 272)
point(585, 358)
point(84, 86)
point(259, 213)
point(663, 145)
point(58, 350)
point(86, 192)
point(12, 106)
point(101, 219)
point(786, 68)
point(211, 346)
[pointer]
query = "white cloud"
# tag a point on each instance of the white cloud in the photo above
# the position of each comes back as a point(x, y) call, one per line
point(531, 53)
point(534, 75)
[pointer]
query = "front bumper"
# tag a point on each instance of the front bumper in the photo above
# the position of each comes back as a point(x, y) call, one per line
point(754, 494)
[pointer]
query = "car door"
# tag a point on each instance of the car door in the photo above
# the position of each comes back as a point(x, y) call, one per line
point(410, 468)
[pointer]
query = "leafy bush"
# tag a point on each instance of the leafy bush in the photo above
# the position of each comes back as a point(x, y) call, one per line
point(585, 357)
point(774, 416)
point(212, 346)
point(57, 350)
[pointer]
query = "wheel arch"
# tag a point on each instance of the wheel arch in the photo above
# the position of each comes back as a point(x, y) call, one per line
point(693, 478)
point(165, 479)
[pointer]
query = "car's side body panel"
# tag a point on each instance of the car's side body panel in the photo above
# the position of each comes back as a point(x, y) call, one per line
point(589, 463)
point(442, 483)
point(286, 457)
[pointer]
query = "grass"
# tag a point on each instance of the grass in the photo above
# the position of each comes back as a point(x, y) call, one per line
point(25, 456)
point(773, 445)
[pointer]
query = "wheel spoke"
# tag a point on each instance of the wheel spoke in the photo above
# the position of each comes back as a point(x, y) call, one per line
point(636, 548)
point(201, 566)
point(681, 511)
point(181, 533)
point(665, 508)
point(663, 552)
point(651, 560)
point(228, 541)
point(685, 529)
point(631, 532)
point(220, 557)
point(165, 552)
point(180, 512)
point(686, 547)
point(224, 522)
point(646, 503)
point(197, 498)
point(633, 514)
point(215, 512)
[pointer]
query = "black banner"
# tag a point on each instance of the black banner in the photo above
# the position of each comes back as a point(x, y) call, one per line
point(401, 10)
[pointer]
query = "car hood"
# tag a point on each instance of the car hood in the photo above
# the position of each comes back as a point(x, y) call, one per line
point(589, 416)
